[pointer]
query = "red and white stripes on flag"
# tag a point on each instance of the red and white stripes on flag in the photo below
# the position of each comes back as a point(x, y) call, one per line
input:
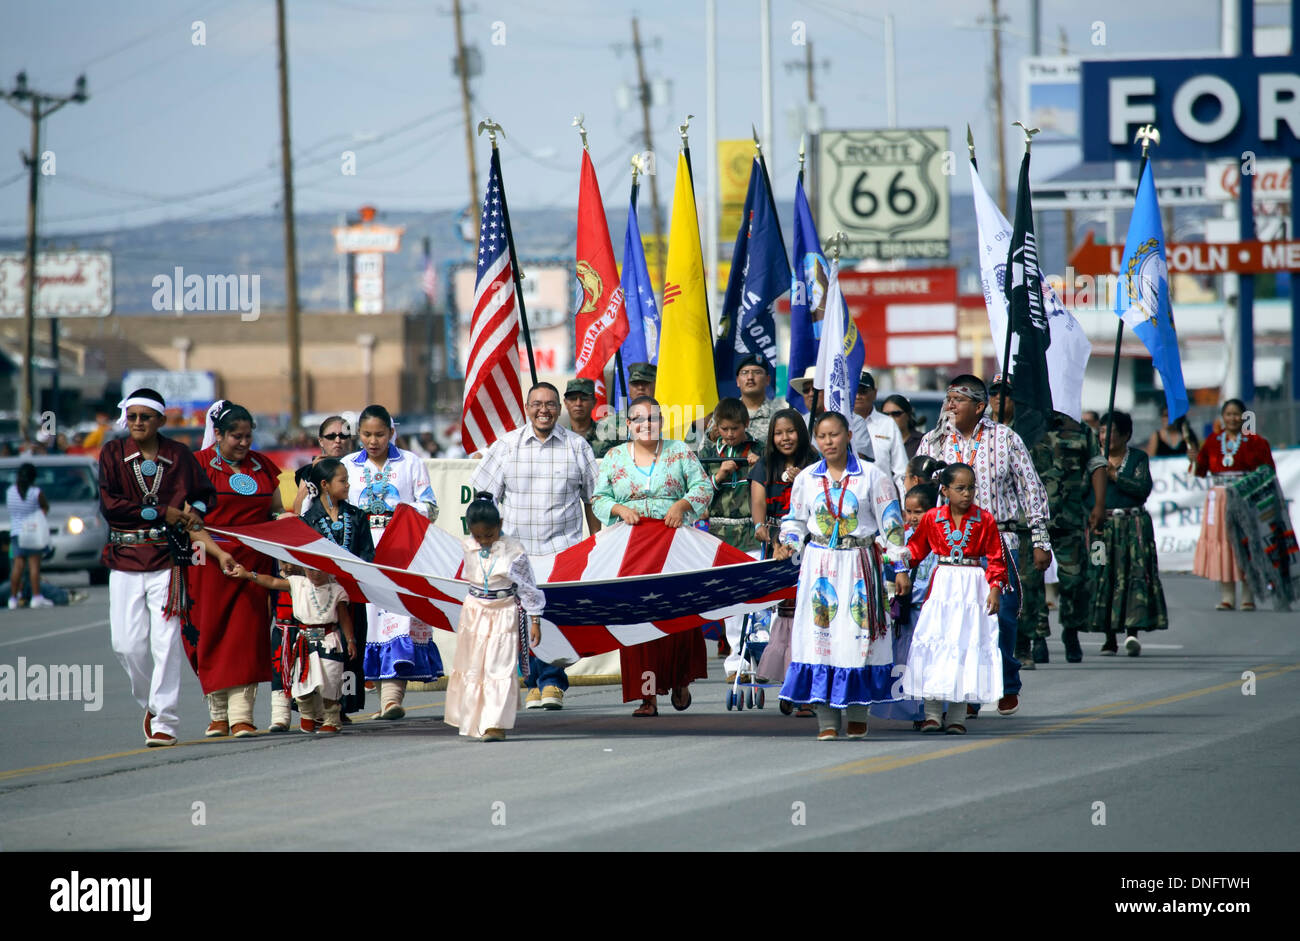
point(493, 399)
point(624, 586)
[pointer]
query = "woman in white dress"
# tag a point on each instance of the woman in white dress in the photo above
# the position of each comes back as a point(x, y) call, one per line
point(841, 652)
point(380, 477)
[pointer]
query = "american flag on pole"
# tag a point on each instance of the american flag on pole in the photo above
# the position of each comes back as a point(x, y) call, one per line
point(624, 586)
point(493, 400)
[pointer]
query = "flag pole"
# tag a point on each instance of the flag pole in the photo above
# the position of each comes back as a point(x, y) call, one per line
point(832, 250)
point(686, 151)
point(1147, 134)
point(493, 129)
point(618, 354)
point(1006, 352)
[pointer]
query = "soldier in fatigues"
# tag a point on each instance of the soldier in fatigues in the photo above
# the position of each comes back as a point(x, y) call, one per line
point(611, 430)
point(579, 400)
point(1068, 459)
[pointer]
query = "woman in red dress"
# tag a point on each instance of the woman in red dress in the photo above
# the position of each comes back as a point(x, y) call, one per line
point(232, 652)
point(1225, 457)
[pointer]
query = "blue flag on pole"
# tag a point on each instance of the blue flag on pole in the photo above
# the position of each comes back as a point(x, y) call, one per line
point(807, 295)
point(642, 343)
point(1143, 296)
point(760, 274)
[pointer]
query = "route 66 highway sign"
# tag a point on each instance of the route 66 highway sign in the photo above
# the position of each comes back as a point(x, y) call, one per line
point(887, 190)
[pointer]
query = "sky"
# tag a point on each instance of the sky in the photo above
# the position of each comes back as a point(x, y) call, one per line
point(179, 130)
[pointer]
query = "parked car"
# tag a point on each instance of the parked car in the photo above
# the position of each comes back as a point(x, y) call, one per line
point(78, 532)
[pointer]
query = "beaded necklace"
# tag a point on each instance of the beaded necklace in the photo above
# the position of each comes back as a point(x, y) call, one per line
point(839, 508)
point(320, 609)
point(956, 446)
point(483, 555)
point(344, 523)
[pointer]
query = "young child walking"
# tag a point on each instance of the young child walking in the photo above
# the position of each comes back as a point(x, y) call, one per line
point(909, 596)
point(313, 654)
point(483, 691)
point(954, 654)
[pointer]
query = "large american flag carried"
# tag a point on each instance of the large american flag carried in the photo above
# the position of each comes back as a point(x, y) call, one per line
point(493, 399)
point(624, 586)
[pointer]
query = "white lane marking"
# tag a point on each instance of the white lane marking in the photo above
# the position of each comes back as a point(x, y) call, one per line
point(66, 630)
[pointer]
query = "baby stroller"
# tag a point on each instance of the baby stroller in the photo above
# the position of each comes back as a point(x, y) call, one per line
point(754, 635)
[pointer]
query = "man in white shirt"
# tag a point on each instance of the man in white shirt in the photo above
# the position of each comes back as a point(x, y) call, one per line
point(544, 476)
point(886, 441)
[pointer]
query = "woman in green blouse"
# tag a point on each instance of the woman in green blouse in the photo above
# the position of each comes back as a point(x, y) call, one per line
point(652, 478)
point(1124, 577)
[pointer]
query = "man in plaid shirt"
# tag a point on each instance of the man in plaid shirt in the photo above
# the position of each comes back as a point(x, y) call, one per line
point(543, 475)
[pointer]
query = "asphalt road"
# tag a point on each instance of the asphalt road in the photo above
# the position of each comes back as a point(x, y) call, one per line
point(1168, 749)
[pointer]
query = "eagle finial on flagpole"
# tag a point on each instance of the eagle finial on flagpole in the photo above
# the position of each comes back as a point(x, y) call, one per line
point(1148, 134)
point(970, 142)
point(582, 129)
point(682, 128)
point(1029, 133)
point(638, 167)
point(492, 128)
point(802, 139)
point(834, 244)
point(758, 147)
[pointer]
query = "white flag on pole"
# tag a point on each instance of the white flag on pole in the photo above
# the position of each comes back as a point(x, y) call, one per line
point(836, 374)
point(1067, 357)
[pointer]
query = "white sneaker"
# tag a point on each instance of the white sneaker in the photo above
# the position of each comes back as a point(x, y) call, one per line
point(14, 603)
point(40, 601)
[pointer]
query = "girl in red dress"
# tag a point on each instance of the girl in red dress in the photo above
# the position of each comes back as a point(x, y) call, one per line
point(1226, 457)
point(232, 650)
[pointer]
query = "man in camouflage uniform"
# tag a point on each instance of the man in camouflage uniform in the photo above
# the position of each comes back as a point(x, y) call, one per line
point(1068, 459)
point(579, 400)
point(611, 430)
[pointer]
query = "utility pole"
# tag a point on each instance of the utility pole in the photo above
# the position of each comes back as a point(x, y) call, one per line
point(1069, 213)
point(290, 242)
point(43, 106)
point(462, 68)
point(999, 120)
point(643, 88)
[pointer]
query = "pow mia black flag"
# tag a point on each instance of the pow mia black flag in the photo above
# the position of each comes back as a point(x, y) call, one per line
point(1027, 320)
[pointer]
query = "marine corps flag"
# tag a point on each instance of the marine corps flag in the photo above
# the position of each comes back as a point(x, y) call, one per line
point(602, 317)
point(685, 386)
point(1028, 321)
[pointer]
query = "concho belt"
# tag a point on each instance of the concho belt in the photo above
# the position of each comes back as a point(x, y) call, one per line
point(491, 594)
point(1127, 511)
point(944, 560)
point(136, 537)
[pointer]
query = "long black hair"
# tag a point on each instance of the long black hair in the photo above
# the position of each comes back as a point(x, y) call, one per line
point(902, 402)
point(803, 455)
point(25, 477)
point(375, 411)
point(924, 467)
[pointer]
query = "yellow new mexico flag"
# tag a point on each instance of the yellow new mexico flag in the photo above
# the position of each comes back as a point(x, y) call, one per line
point(685, 385)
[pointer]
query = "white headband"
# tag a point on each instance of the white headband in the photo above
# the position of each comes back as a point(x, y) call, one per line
point(146, 401)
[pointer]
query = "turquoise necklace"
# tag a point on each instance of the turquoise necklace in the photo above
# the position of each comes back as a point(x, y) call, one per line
point(240, 482)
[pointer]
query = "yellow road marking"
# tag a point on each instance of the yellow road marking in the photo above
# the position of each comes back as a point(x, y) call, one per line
point(891, 762)
point(216, 740)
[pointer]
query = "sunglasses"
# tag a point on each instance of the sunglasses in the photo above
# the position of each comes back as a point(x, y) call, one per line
point(649, 420)
point(894, 414)
point(141, 416)
point(336, 436)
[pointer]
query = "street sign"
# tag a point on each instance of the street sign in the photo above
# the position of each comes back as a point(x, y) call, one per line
point(1204, 107)
point(906, 318)
point(1107, 194)
point(1195, 257)
point(887, 190)
point(68, 284)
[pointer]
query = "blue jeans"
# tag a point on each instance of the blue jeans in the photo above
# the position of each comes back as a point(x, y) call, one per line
point(1007, 618)
point(542, 674)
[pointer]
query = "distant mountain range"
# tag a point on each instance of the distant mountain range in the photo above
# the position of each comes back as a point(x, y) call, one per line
point(255, 245)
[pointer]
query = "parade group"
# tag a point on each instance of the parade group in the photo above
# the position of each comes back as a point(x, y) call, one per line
point(921, 557)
